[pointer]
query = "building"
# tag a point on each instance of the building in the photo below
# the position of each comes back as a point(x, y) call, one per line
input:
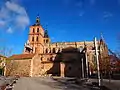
point(59, 58)
point(21, 64)
point(2, 64)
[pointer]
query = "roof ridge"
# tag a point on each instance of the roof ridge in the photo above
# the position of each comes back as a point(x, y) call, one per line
point(21, 56)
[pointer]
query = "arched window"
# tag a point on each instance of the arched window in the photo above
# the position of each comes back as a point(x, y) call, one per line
point(47, 59)
point(35, 49)
point(54, 50)
point(33, 30)
point(46, 50)
point(51, 58)
point(32, 38)
point(47, 41)
point(37, 29)
point(50, 50)
point(41, 58)
point(37, 38)
point(44, 41)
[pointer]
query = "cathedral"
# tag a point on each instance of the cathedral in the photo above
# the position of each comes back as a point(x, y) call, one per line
point(66, 59)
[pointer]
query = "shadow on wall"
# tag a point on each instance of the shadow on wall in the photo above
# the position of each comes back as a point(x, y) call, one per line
point(70, 61)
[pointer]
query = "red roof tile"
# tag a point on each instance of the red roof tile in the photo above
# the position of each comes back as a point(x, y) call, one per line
point(21, 56)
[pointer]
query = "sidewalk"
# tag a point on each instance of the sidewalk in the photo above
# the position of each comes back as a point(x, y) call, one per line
point(112, 84)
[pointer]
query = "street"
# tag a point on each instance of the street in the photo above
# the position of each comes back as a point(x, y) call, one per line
point(27, 83)
point(112, 84)
point(47, 83)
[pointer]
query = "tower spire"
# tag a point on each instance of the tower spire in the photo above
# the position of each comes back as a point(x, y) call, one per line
point(37, 20)
point(85, 44)
point(102, 38)
point(46, 34)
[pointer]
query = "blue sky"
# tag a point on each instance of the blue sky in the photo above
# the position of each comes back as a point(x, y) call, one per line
point(65, 20)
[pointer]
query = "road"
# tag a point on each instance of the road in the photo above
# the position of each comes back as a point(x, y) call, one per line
point(112, 84)
point(47, 83)
point(44, 84)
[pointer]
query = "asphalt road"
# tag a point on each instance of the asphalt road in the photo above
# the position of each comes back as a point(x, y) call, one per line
point(44, 84)
point(47, 83)
point(112, 84)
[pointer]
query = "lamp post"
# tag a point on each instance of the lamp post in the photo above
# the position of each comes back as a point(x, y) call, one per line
point(86, 58)
point(86, 64)
point(80, 49)
point(98, 68)
point(82, 68)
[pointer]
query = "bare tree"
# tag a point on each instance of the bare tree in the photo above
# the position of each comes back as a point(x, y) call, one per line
point(5, 52)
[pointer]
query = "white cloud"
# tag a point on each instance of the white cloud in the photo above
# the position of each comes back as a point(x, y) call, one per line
point(107, 14)
point(4, 13)
point(2, 23)
point(9, 30)
point(15, 8)
point(79, 3)
point(22, 21)
point(15, 15)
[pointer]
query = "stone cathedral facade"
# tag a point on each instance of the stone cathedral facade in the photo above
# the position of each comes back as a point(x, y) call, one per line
point(58, 58)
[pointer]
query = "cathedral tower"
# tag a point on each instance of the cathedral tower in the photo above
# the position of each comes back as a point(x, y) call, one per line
point(46, 38)
point(36, 38)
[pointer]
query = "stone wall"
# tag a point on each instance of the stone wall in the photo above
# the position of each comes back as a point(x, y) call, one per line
point(39, 67)
point(47, 67)
point(72, 64)
point(36, 66)
point(18, 67)
point(73, 70)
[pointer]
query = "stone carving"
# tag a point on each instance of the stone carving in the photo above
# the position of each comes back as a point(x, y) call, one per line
point(28, 48)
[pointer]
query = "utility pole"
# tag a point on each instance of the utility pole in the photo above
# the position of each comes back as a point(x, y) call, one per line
point(82, 68)
point(86, 61)
point(80, 50)
point(86, 64)
point(98, 68)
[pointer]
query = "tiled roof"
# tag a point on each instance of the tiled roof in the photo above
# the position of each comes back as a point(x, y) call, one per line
point(113, 57)
point(70, 49)
point(22, 56)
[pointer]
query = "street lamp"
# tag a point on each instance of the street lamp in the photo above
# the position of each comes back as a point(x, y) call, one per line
point(96, 53)
point(86, 64)
point(82, 68)
point(81, 49)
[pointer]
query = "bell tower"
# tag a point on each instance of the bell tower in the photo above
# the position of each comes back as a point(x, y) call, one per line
point(36, 36)
point(46, 37)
